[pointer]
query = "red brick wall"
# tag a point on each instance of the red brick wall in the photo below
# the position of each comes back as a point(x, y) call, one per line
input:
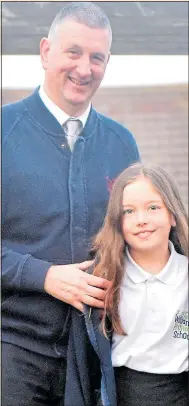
point(158, 118)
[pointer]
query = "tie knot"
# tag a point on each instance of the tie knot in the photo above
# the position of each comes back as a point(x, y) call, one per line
point(72, 127)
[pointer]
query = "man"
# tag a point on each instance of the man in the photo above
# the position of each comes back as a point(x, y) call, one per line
point(55, 191)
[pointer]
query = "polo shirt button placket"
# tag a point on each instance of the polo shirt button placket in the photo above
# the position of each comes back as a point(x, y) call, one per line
point(152, 297)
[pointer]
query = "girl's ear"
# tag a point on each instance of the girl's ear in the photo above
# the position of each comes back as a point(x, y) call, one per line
point(173, 222)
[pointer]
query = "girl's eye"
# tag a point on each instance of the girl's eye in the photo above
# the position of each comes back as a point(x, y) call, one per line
point(127, 211)
point(154, 207)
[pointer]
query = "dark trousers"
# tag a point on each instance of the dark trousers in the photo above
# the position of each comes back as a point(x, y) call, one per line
point(144, 389)
point(30, 379)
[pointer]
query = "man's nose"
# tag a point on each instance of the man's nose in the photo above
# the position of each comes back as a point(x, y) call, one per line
point(83, 67)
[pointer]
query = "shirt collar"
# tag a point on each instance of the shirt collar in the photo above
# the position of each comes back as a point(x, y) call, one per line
point(167, 275)
point(58, 113)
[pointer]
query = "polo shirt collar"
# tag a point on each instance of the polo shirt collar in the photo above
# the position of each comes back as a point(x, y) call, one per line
point(167, 275)
point(58, 113)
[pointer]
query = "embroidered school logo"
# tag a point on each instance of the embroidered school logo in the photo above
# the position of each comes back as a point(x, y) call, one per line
point(181, 327)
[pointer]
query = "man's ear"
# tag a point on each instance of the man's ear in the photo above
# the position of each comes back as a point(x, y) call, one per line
point(44, 50)
point(108, 57)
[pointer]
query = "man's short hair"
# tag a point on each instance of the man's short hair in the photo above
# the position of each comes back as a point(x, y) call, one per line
point(86, 13)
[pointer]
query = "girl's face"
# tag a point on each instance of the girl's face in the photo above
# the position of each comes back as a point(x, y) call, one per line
point(146, 220)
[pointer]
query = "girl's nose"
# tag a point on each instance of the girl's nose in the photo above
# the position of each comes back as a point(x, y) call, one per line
point(142, 217)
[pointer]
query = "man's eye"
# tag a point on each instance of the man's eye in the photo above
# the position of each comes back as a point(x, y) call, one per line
point(98, 58)
point(127, 211)
point(73, 52)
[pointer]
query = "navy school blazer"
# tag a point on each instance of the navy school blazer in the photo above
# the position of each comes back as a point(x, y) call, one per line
point(90, 375)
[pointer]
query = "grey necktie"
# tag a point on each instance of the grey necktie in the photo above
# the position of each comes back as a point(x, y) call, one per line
point(72, 128)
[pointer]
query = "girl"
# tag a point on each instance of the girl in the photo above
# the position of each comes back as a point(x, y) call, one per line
point(142, 248)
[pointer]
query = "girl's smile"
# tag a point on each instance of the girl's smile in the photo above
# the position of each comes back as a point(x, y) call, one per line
point(144, 234)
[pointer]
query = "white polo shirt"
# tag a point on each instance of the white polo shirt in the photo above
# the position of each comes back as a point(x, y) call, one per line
point(154, 314)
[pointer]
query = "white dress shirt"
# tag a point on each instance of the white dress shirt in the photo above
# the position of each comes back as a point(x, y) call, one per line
point(58, 113)
point(154, 314)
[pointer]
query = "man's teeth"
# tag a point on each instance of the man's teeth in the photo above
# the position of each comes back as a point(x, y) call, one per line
point(77, 82)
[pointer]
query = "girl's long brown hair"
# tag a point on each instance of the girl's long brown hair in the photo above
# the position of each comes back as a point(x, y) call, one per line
point(109, 244)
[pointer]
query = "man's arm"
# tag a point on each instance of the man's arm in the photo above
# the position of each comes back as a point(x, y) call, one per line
point(22, 272)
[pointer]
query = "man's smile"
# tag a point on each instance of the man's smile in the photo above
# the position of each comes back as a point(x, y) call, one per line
point(79, 82)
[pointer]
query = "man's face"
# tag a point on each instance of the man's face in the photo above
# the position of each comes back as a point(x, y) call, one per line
point(75, 61)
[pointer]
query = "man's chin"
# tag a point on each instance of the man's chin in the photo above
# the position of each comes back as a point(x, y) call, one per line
point(76, 102)
point(76, 97)
point(75, 106)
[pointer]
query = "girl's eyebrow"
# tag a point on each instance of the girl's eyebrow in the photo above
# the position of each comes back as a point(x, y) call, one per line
point(154, 201)
point(147, 202)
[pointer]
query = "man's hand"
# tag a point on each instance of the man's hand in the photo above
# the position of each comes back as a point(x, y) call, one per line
point(71, 285)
